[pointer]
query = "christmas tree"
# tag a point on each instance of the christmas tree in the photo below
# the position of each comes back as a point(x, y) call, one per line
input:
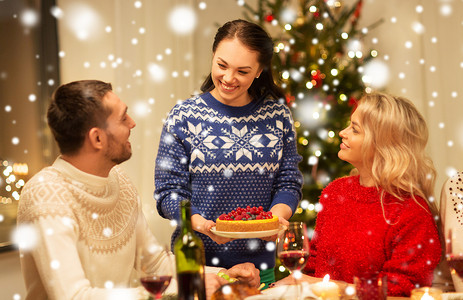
point(318, 63)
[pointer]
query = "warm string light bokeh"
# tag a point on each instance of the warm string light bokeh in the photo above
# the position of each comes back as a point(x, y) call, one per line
point(11, 181)
point(323, 65)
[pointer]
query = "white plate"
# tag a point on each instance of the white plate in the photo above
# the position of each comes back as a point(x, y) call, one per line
point(285, 292)
point(248, 234)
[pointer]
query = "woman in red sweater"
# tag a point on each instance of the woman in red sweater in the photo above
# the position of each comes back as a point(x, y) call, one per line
point(380, 219)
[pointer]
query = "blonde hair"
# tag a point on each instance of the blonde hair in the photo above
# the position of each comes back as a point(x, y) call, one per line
point(394, 145)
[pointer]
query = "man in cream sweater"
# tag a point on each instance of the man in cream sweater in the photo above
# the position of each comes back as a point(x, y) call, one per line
point(86, 213)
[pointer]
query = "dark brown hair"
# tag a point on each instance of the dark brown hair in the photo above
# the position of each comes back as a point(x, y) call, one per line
point(75, 108)
point(256, 39)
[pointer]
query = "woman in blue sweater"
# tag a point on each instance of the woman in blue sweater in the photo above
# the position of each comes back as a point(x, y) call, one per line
point(232, 146)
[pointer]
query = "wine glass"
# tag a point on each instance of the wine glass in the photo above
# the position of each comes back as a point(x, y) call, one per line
point(293, 250)
point(454, 257)
point(155, 281)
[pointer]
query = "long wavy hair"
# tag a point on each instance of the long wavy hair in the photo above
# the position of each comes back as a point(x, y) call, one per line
point(394, 145)
point(256, 39)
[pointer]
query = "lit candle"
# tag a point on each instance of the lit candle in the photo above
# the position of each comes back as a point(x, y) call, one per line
point(426, 293)
point(427, 297)
point(326, 289)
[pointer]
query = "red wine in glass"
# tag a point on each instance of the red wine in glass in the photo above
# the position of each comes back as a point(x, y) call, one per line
point(454, 256)
point(456, 263)
point(293, 251)
point(156, 285)
point(294, 260)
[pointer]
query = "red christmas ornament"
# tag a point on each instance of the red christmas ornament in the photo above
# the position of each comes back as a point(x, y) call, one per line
point(269, 18)
point(357, 11)
point(353, 102)
point(289, 99)
point(317, 78)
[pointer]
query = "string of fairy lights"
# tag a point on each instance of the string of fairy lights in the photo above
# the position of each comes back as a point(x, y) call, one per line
point(12, 181)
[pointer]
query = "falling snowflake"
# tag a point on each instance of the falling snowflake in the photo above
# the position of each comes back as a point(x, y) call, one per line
point(253, 244)
point(226, 290)
point(446, 10)
point(270, 246)
point(182, 20)
point(67, 221)
point(141, 109)
point(109, 284)
point(215, 261)
point(297, 274)
point(202, 5)
point(228, 173)
point(25, 236)
point(157, 72)
point(82, 20)
point(55, 264)
point(56, 12)
point(288, 15)
point(418, 27)
point(173, 223)
point(107, 232)
point(376, 74)
point(350, 290)
point(153, 248)
point(29, 18)
point(165, 164)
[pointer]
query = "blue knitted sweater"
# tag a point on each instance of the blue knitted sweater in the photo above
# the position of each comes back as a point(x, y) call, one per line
point(223, 157)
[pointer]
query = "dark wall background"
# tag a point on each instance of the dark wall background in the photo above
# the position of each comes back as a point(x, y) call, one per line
point(28, 75)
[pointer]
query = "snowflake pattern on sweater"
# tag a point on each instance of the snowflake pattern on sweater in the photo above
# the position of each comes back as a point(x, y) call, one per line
point(222, 157)
point(352, 237)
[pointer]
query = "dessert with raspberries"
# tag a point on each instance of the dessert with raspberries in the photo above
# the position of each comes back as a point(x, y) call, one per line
point(246, 220)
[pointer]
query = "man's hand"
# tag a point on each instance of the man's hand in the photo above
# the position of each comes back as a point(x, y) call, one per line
point(213, 282)
point(245, 272)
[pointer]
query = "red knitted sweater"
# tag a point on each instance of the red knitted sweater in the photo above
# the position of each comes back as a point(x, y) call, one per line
point(352, 237)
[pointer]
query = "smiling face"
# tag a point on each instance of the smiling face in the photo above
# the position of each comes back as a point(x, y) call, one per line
point(234, 68)
point(118, 126)
point(352, 142)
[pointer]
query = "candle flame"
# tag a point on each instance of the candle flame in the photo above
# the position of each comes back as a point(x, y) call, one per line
point(326, 278)
point(426, 296)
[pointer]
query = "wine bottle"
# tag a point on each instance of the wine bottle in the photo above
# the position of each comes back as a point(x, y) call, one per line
point(189, 259)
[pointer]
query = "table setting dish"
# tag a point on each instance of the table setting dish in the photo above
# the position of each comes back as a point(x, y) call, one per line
point(248, 234)
point(284, 292)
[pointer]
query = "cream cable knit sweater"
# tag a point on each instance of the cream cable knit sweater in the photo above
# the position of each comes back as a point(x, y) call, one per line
point(88, 230)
